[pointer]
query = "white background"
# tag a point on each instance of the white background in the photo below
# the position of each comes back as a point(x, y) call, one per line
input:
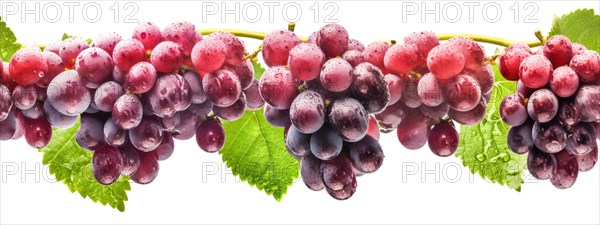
point(411, 186)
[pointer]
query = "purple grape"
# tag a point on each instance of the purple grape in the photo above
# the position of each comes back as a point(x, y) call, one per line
point(391, 116)
point(374, 53)
point(297, 142)
point(354, 44)
point(23, 97)
point(558, 50)
point(443, 139)
point(278, 87)
point(535, 71)
point(187, 127)
point(58, 119)
point(519, 138)
point(148, 135)
point(435, 112)
point(131, 159)
point(325, 144)
point(167, 57)
point(569, 115)
point(210, 136)
point(67, 94)
point(462, 93)
point(430, 91)
point(222, 87)
point(345, 193)
point(337, 173)
point(232, 112)
point(236, 51)
point(549, 137)
point(245, 73)
point(127, 53)
point(540, 164)
point(113, 134)
point(471, 117)
point(564, 82)
point(253, 99)
point(148, 168)
point(485, 78)
point(27, 66)
point(106, 95)
point(310, 173)
point(277, 117)
point(513, 110)
point(354, 57)
point(581, 139)
point(38, 132)
point(55, 67)
point(140, 78)
point(148, 34)
point(170, 94)
point(471, 50)
point(170, 123)
point(195, 82)
point(127, 111)
point(370, 87)
point(106, 42)
point(107, 164)
point(307, 112)
point(35, 112)
point(6, 102)
point(184, 34)
point(410, 95)
point(587, 66)
point(349, 119)
point(201, 109)
point(413, 133)
point(565, 171)
point(395, 86)
point(166, 148)
point(366, 155)
point(588, 161)
point(305, 61)
point(542, 106)
point(8, 127)
point(336, 75)
point(277, 46)
point(588, 101)
point(90, 135)
point(94, 66)
point(333, 40)
point(70, 49)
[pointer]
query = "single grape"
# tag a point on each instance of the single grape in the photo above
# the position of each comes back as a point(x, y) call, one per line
point(577, 48)
point(35, 112)
point(565, 171)
point(209, 55)
point(277, 46)
point(187, 125)
point(195, 82)
point(325, 144)
point(402, 58)
point(513, 110)
point(540, 164)
point(131, 159)
point(462, 93)
point(336, 75)
point(523, 90)
point(210, 136)
point(55, 66)
point(445, 61)
point(471, 117)
point(277, 117)
point(354, 57)
point(166, 148)
point(127, 111)
point(113, 134)
point(535, 71)
point(473, 52)
point(569, 115)
point(410, 94)
point(167, 57)
point(587, 66)
point(310, 172)
point(354, 44)
point(278, 87)
point(395, 86)
point(443, 139)
point(38, 132)
point(413, 133)
point(184, 34)
point(373, 129)
point(222, 87)
point(140, 78)
point(27, 66)
point(297, 142)
point(147, 135)
point(245, 73)
point(345, 193)
point(581, 139)
point(106, 95)
point(424, 40)
point(8, 127)
point(375, 52)
point(430, 91)
point(558, 50)
point(90, 135)
point(588, 101)
point(391, 116)
point(70, 49)
point(253, 99)
point(435, 112)
point(53, 47)
point(485, 78)
point(58, 119)
point(588, 161)
point(235, 47)
point(549, 137)
point(337, 173)
point(23, 97)
point(542, 105)
point(170, 123)
point(107, 164)
point(564, 82)
point(106, 42)
point(170, 94)
point(334, 40)
point(349, 119)
point(232, 112)
point(118, 75)
point(148, 34)
point(307, 112)
point(519, 138)
point(305, 61)
point(94, 66)
point(366, 155)
point(370, 87)
point(67, 94)
point(127, 53)
point(148, 168)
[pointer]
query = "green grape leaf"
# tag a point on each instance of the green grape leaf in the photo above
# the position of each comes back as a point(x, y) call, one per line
point(72, 165)
point(8, 42)
point(255, 151)
point(580, 26)
point(483, 147)
point(258, 70)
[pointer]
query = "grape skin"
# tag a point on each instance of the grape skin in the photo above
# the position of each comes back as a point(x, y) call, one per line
point(55, 66)
point(277, 46)
point(307, 112)
point(127, 111)
point(148, 34)
point(564, 82)
point(70, 49)
point(94, 66)
point(27, 66)
point(232, 112)
point(410, 94)
point(147, 136)
point(443, 140)
point(127, 53)
point(336, 75)
point(106, 95)
point(333, 40)
point(462, 93)
point(140, 78)
point(297, 142)
point(519, 138)
point(107, 164)
point(113, 134)
point(325, 144)
point(197, 93)
point(310, 173)
point(470, 117)
point(429, 91)
point(67, 94)
point(540, 164)
point(35, 112)
point(366, 155)
point(445, 61)
point(588, 161)
point(209, 55)
point(391, 116)
point(38, 132)
point(245, 73)
point(58, 119)
point(131, 159)
point(435, 112)
point(413, 133)
point(222, 87)
point(210, 136)
point(542, 106)
point(569, 115)
point(510, 61)
point(535, 71)
point(148, 168)
point(395, 86)
point(513, 110)
point(354, 44)
point(402, 58)
point(370, 87)
point(184, 34)
point(558, 50)
point(235, 47)
point(253, 99)
point(187, 125)
point(90, 135)
point(277, 117)
point(424, 40)
point(549, 137)
point(23, 97)
point(337, 173)
point(349, 119)
point(354, 57)
point(581, 139)
point(305, 61)
point(565, 171)
point(166, 148)
point(588, 100)
point(278, 87)
point(167, 57)
point(375, 52)
point(587, 66)
point(473, 52)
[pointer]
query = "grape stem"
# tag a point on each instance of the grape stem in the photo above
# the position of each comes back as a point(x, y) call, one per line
point(479, 38)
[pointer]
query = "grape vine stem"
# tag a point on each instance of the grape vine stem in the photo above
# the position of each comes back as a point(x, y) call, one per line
point(479, 38)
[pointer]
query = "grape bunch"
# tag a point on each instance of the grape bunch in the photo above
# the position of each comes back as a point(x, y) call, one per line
point(431, 85)
point(133, 96)
point(555, 114)
point(324, 100)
